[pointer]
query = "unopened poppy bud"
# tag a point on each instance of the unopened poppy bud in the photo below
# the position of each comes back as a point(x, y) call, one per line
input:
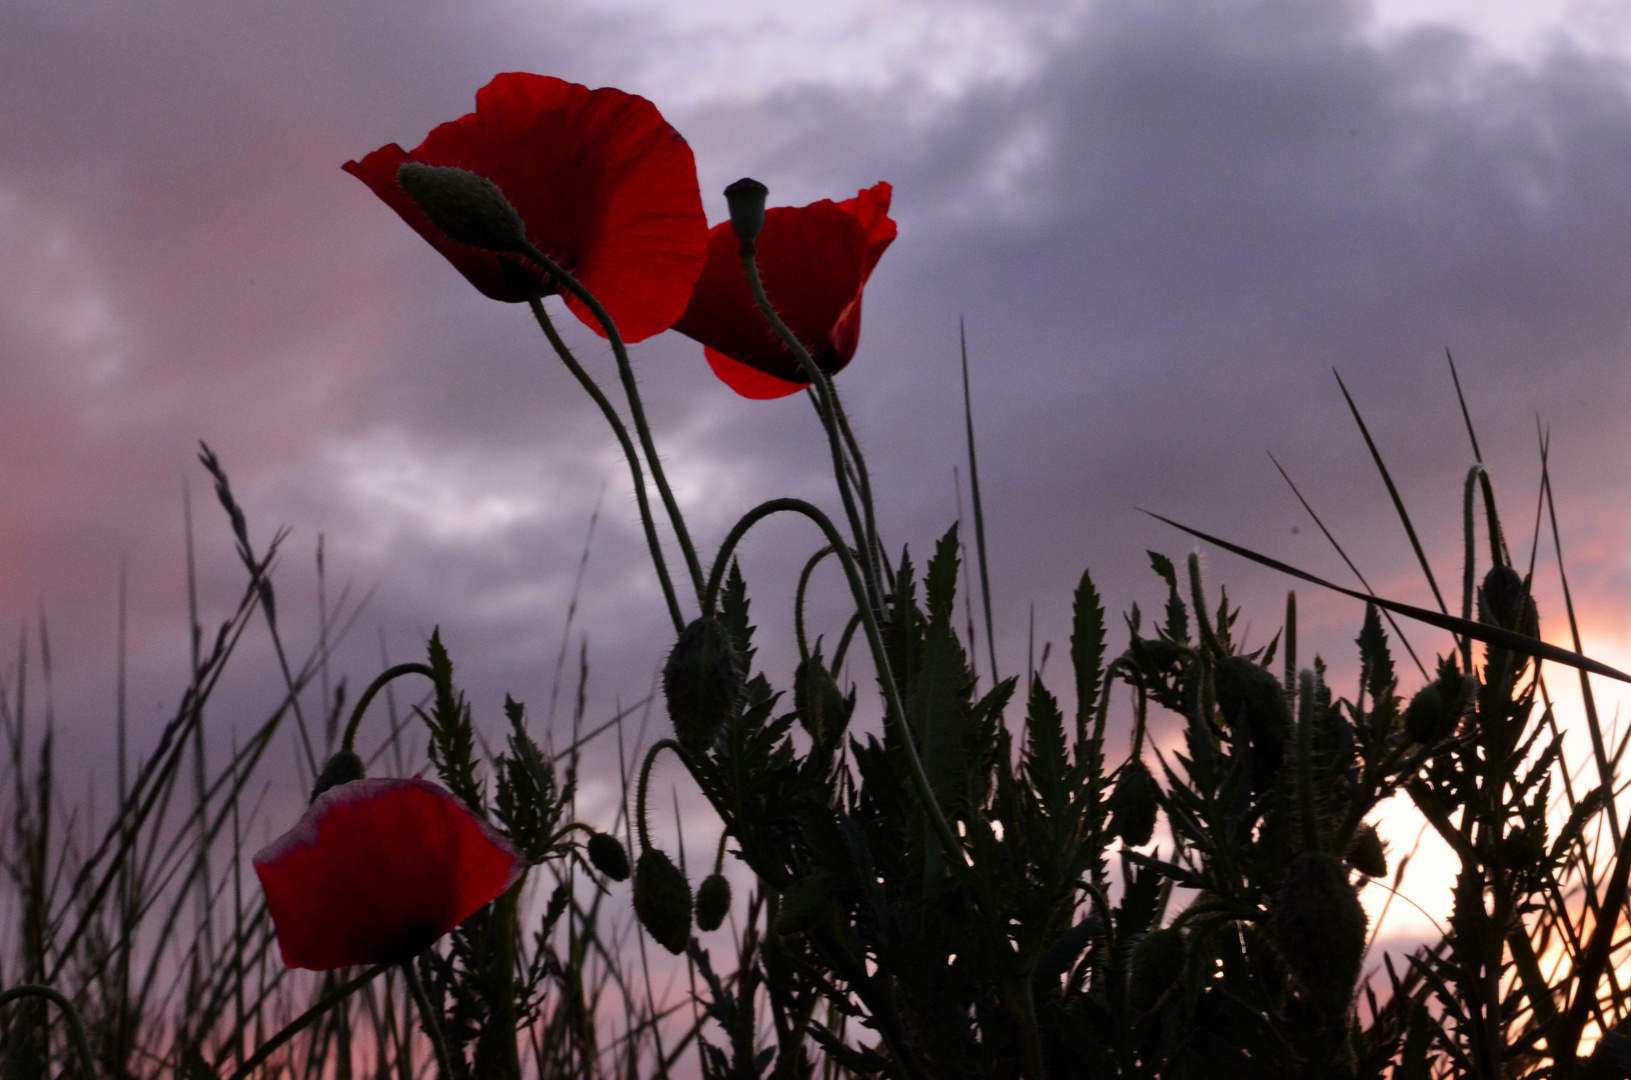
point(1366, 854)
point(703, 683)
point(1504, 600)
point(746, 199)
point(803, 904)
point(1254, 708)
point(1439, 706)
point(608, 856)
point(342, 768)
point(466, 207)
point(820, 705)
point(1133, 805)
point(662, 900)
point(713, 901)
point(1157, 961)
point(1319, 928)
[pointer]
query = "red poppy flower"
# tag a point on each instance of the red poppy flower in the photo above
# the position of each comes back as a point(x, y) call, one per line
point(377, 870)
point(814, 261)
point(605, 186)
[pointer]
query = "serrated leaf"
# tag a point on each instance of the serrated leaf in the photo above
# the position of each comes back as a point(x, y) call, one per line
point(1087, 650)
point(1045, 764)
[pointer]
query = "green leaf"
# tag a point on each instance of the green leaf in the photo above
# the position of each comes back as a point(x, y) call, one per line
point(1045, 763)
point(1087, 650)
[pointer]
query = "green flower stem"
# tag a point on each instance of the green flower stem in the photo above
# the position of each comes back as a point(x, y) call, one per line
point(863, 478)
point(625, 372)
point(645, 779)
point(622, 434)
point(76, 1026)
point(874, 636)
point(349, 742)
point(798, 600)
point(873, 594)
point(304, 1020)
point(428, 1020)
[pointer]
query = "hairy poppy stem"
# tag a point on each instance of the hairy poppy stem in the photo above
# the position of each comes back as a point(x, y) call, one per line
point(641, 829)
point(76, 1026)
point(625, 372)
point(349, 742)
point(622, 433)
point(428, 1020)
point(304, 1020)
point(830, 419)
point(874, 637)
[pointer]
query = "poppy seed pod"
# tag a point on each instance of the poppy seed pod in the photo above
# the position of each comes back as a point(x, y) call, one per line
point(1133, 805)
point(746, 199)
point(713, 902)
point(703, 683)
point(342, 768)
point(803, 904)
point(1319, 928)
point(607, 854)
point(1157, 961)
point(1254, 706)
point(662, 900)
point(1438, 707)
point(467, 208)
point(1366, 854)
point(1504, 600)
point(820, 705)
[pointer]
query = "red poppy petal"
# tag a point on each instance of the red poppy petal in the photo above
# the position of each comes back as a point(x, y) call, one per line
point(749, 382)
point(605, 186)
point(376, 870)
point(871, 209)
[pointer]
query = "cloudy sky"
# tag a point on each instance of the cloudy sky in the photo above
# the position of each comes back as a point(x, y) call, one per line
point(1164, 225)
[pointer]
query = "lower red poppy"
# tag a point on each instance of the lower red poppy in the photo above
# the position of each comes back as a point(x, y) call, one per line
point(377, 870)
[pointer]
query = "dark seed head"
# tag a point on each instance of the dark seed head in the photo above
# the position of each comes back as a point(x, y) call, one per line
point(607, 854)
point(662, 900)
point(713, 902)
point(1366, 854)
point(342, 768)
point(746, 200)
point(1319, 927)
point(1133, 805)
point(1254, 707)
point(703, 683)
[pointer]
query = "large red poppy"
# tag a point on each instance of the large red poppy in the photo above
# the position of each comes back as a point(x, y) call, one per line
point(377, 870)
point(814, 261)
point(605, 186)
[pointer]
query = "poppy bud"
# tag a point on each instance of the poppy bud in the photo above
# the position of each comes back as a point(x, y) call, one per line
point(1366, 854)
point(1438, 707)
point(1504, 600)
point(466, 207)
point(1319, 927)
point(607, 854)
point(342, 768)
point(746, 199)
point(803, 904)
point(1133, 806)
point(1157, 961)
point(820, 705)
point(713, 902)
point(662, 900)
point(1254, 708)
point(703, 683)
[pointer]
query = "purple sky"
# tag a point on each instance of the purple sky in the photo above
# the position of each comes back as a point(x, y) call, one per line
point(1163, 231)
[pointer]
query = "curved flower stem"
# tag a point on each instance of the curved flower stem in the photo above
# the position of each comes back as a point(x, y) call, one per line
point(863, 478)
point(798, 600)
point(349, 742)
point(304, 1020)
point(76, 1026)
point(428, 1020)
point(827, 400)
point(880, 659)
point(625, 372)
point(645, 779)
point(622, 434)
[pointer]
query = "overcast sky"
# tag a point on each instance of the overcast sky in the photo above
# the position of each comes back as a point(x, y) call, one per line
point(1164, 225)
